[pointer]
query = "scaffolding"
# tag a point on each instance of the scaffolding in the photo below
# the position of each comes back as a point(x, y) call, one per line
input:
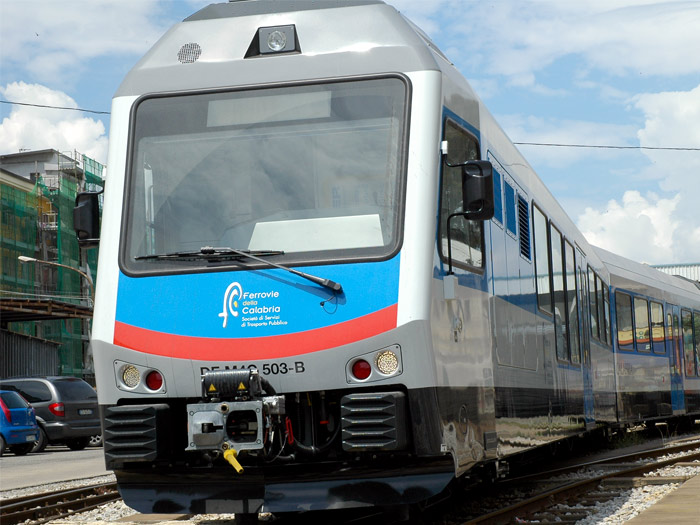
point(38, 222)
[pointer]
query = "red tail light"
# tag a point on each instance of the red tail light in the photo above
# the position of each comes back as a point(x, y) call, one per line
point(154, 380)
point(6, 411)
point(361, 369)
point(57, 409)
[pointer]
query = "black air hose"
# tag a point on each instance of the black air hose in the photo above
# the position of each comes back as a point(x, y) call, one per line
point(313, 450)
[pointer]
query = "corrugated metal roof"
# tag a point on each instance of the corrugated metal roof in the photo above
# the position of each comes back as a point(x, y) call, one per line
point(689, 271)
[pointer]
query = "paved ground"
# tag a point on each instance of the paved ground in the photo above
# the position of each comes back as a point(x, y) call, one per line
point(52, 465)
point(680, 507)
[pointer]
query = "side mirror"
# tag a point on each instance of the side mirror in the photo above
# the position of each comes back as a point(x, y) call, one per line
point(86, 218)
point(477, 190)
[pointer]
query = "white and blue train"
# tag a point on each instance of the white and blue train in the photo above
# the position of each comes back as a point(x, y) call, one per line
point(328, 279)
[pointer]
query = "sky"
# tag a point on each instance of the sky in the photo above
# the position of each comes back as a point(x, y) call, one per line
point(623, 73)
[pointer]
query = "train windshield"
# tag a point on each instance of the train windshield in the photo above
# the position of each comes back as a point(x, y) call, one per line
point(305, 173)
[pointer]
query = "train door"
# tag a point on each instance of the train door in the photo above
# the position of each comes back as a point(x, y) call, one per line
point(588, 399)
point(673, 341)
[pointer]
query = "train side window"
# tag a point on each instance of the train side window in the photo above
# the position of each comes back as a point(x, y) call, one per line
point(510, 208)
point(497, 197)
point(623, 316)
point(601, 306)
point(605, 329)
point(641, 325)
point(560, 325)
point(688, 343)
point(572, 303)
point(669, 330)
point(594, 304)
point(467, 235)
point(542, 269)
point(658, 337)
point(677, 343)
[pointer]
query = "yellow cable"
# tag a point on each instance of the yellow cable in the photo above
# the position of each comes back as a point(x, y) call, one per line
point(230, 456)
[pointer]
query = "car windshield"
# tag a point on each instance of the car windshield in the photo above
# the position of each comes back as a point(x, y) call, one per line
point(313, 171)
point(75, 390)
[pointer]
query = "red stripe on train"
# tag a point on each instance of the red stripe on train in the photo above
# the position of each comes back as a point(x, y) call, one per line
point(252, 348)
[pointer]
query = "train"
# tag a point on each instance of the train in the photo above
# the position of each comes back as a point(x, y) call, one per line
point(327, 278)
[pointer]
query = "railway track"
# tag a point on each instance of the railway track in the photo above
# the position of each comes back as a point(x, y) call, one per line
point(557, 495)
point(40, 508)
point(566, 498)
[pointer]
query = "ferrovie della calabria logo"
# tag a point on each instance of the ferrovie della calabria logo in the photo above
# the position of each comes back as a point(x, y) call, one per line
point(237, 302)
point(233, 293)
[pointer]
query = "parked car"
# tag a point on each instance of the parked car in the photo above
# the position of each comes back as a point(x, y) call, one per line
point(18, 428)
point(66, 408)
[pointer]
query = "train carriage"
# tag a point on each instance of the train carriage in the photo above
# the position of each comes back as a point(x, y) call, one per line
point(328, 279)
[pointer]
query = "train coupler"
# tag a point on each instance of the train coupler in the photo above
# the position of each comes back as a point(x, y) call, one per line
point(234, 413)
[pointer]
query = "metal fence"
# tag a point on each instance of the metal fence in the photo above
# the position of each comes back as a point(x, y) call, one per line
point(21, 355)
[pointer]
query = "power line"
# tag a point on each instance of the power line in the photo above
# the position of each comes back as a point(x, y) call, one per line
point(601, 146)
point(53, 107)
point(546, 144)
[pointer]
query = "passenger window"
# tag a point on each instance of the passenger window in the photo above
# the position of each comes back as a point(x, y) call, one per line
point(572, 302)
point(542, 270)
point(641, 325)
point(688, 343)
point(658, 336)
point(601, 307)
point(510, 208)
point(594, 304)
point(466, 235)
point(560, 332)
point(623, 315)
point(605, 330)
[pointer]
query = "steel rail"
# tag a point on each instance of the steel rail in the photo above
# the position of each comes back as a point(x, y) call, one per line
point(551, 497)
point(40, 508)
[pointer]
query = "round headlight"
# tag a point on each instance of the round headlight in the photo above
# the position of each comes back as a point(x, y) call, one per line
point(131, 376)
point(277, 41)
point(387, 362)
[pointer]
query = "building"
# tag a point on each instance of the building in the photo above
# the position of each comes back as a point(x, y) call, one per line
point(689, 271)
point(48, 300)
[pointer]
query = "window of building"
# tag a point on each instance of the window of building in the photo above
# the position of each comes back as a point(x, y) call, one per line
point(466, 235)
point(623, 316)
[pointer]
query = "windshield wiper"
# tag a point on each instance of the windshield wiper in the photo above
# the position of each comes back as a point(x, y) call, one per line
point(210, 253)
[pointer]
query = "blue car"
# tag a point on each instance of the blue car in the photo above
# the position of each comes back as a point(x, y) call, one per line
point(18, 428)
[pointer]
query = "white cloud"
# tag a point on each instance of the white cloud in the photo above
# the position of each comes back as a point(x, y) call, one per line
point(53, 40)
point(653, 229)
point(518, 39)
point(640, 228)
point(44, 128)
